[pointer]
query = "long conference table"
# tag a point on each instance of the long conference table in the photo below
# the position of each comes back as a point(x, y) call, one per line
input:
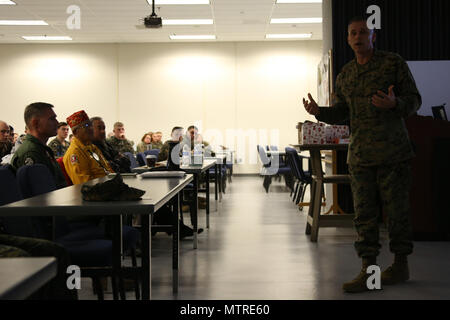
point(196, 171)
point(68, 202)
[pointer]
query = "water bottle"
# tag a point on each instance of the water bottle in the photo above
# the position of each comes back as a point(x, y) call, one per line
point(186, 159)
point(198, 154)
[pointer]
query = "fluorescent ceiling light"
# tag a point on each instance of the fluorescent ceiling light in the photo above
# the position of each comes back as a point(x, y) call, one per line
point(171, 22)
point(47, 38)
point(192, 37)
point(297, 20)
point(23, 23)
point(162, 2)
point(289, 36)
point(9, 2)
point(299, 1)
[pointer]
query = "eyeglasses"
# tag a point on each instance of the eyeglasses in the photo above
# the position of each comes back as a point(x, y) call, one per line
point(5, 131)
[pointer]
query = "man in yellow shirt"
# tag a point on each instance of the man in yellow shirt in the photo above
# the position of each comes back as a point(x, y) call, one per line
point(83, 160)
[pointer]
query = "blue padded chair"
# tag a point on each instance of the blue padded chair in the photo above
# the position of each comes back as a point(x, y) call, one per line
point(133, 161)
point(224, 177)
point(268, 171)
point(36, 179)
point(86, 244)
point(140, 157)
point(263, 156)
point(303, 178)
point(153, 152)
point(10, 192)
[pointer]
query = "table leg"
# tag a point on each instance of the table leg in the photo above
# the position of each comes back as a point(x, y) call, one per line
point(175, 242)
point(195, 211)
point(116, 230)
point(207, 199)
point(311, 207)
point(220, 182)
point(316, 211)
point(216, 179)
point(146, 263)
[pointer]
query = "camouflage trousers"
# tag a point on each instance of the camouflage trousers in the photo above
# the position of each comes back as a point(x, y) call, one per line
point(13, 247)
point(382, 187)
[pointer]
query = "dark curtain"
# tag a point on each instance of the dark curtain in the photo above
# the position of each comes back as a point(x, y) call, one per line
point(415, 29)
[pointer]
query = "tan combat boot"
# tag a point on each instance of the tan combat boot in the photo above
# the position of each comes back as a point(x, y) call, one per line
point(398, 272)
point(359, 284)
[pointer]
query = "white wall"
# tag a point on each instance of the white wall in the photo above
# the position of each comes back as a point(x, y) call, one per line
point(224, 87)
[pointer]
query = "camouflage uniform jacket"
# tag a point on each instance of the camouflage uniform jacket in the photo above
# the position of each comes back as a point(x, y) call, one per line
point(58, 148)
point(33, 151)
point(164, 151)
point(117, 161)
point(121, 145)
point(157, 145)
point(142, 146)
point(379, 136)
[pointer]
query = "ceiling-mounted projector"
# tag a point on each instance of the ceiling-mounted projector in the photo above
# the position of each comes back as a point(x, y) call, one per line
point(153, 21)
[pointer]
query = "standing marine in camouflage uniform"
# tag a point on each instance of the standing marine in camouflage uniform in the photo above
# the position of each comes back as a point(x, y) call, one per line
point(59, 144)
point(118, 140)
point(376, 91)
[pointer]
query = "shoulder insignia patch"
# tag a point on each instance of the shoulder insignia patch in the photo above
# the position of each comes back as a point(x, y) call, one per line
point(73, 159)
point(29, 161)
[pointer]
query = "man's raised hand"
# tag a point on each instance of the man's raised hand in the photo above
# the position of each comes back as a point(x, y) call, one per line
point(311, 106)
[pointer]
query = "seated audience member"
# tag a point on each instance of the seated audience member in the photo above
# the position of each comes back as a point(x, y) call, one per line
point(117, 161)
point(119, 141)
point(5, 143)
point(18, 142)
point(59, 144)
point(176, 136)
point(157, 140)
point(56, 289)
point(146, 143)
point(83, 160)
point(41, 122)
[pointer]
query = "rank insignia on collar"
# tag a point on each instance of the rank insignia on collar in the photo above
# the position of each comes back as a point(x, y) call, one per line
point(73, 159)
point(29, 161)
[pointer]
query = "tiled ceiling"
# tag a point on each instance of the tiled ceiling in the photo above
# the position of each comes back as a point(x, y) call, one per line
point(116, 20)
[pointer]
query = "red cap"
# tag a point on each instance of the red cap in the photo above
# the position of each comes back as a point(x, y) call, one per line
point(77, 118)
